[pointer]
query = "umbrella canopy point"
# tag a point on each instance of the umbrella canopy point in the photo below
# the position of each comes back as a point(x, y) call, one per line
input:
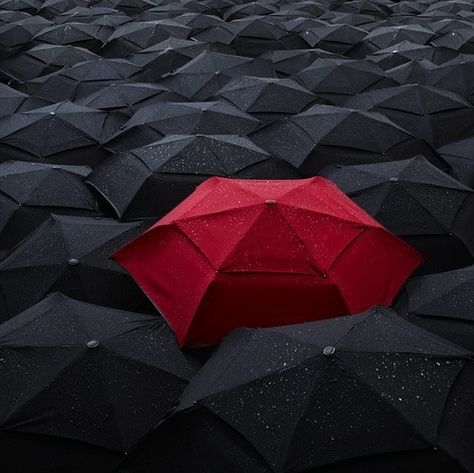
point(260, 253)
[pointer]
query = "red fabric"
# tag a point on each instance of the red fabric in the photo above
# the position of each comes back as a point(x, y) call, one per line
point(261, 253)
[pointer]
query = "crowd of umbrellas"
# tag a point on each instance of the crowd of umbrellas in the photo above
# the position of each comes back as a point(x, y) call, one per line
point(236, 237)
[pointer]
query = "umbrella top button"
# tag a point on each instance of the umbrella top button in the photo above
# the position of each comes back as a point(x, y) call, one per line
point(73, 262)
point(394, 179)
point(92, 344)
point(329, 350)
point(52, 113)
point(270, 201)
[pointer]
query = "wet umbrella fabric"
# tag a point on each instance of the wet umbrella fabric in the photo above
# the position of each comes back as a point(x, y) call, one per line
point(437, 116)
point(325, 134)
point(369, 388)
point(267, 98)
point(203, 76)
point(82, 79)
point(77, 137)
point(31, 192)
point(89, 373)
point(150, 181)
point(44, 59)
point(70, 255)
point(442, 303)
point(153, 122)
point(262, 253)
point(459, 156)
point(415, 200)
point(128, 98)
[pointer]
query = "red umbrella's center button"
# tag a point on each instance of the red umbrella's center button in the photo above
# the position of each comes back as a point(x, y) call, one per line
point(271, 201)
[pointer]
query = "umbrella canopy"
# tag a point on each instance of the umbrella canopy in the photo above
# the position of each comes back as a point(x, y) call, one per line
point(371, 390)
point(134, 36)
point(101, 376)
point(44, 59)
point(262, 253)
point(339, 79)
point(338, 39)
point(12, 101)
point(18, 34)
point(78, 81)
point(60, 133)
point(69, 255)
point(204, 75)
point(151, 180)
point(31, 192)
point(418, 202)
point(267, 98)
point(84, 35)
point(128, 98)
point(442, 303)
point(325, 134)
point(153, 122)
point(292, 61)
point(166, 57)
point(461, 159)
point(432, 114)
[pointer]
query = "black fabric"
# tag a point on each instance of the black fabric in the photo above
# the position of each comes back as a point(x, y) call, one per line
point(89, 373)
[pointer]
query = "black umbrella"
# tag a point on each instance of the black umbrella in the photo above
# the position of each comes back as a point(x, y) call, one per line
point(70, 255)
point(85, 35)
point(368, 387)
point(43, 59)
point(405, 52)
point(249, 9)
point(339, 39)
point(339, 79)
point(460, 157)
point(61, 133)
point(89, 373)
point(442, 303)
point(82, 79)
point(153, 122)
point(418, 202)
point(52, 8)
point(203, 76)
point(135, 36)
point(326, 135)
point(12, 101)
point(27, 6)
point(386, 36)
point(166, 57)
point(31, 192)
point(252, 36)
point(152, 180)
point(128, 98)
point(292, 61)
point(93, 14)
point(177, 10)
point(453, 76)
point(18, 34)
point(434, 115)
point(266, 98)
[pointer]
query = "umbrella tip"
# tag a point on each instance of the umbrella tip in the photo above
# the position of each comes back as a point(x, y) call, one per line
point(329, 350)
point(271, 201)
point(92, 344)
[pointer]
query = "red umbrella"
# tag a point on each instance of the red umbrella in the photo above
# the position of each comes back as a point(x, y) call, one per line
point(249, 253)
